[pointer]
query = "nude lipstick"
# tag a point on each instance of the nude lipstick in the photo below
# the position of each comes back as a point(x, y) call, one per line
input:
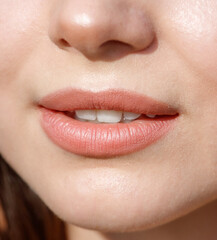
point(104, 140)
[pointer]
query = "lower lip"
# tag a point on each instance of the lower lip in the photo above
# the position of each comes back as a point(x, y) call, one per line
point(103, 140)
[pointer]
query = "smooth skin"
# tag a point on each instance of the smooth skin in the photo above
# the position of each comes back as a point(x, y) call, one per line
point(164, 49)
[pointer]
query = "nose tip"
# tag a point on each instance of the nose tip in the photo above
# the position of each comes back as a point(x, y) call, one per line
point(101, 30)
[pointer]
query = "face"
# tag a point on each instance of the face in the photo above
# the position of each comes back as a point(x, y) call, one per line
point(165, 50)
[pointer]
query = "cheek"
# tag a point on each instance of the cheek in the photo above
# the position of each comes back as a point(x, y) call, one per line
point(193, 31)
point(19, 31)
point(190, 30)
point(18, 27)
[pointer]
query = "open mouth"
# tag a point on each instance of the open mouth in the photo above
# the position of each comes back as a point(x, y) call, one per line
point(110, 116)
point(106, 124)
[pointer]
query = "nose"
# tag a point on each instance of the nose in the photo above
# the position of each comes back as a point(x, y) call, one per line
point(98, 29)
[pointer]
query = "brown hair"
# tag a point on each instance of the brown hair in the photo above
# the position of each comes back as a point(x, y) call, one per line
point(26, 215)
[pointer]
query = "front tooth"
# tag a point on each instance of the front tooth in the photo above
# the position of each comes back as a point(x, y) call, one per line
point(109, 116)
point(131, 116)
point(86, 114)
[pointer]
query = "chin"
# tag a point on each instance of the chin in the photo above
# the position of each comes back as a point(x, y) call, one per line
point(110, 202)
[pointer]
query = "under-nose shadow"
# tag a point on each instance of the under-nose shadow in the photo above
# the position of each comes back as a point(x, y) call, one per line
point(114, 50)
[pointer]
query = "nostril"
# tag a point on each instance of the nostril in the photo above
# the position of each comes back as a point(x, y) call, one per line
point(114, 49)
point(64, 43)
point(115, 43)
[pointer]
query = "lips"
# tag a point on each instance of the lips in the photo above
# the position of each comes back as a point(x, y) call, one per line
point(104, 140)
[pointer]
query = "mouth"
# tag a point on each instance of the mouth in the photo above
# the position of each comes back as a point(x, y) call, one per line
point(104, 124)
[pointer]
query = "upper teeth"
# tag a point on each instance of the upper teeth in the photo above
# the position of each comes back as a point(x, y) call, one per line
point(107, 116)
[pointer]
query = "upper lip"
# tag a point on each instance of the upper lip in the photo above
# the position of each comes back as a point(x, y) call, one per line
point(71, 99)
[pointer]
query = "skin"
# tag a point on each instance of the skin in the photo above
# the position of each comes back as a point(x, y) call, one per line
point(162, 192)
